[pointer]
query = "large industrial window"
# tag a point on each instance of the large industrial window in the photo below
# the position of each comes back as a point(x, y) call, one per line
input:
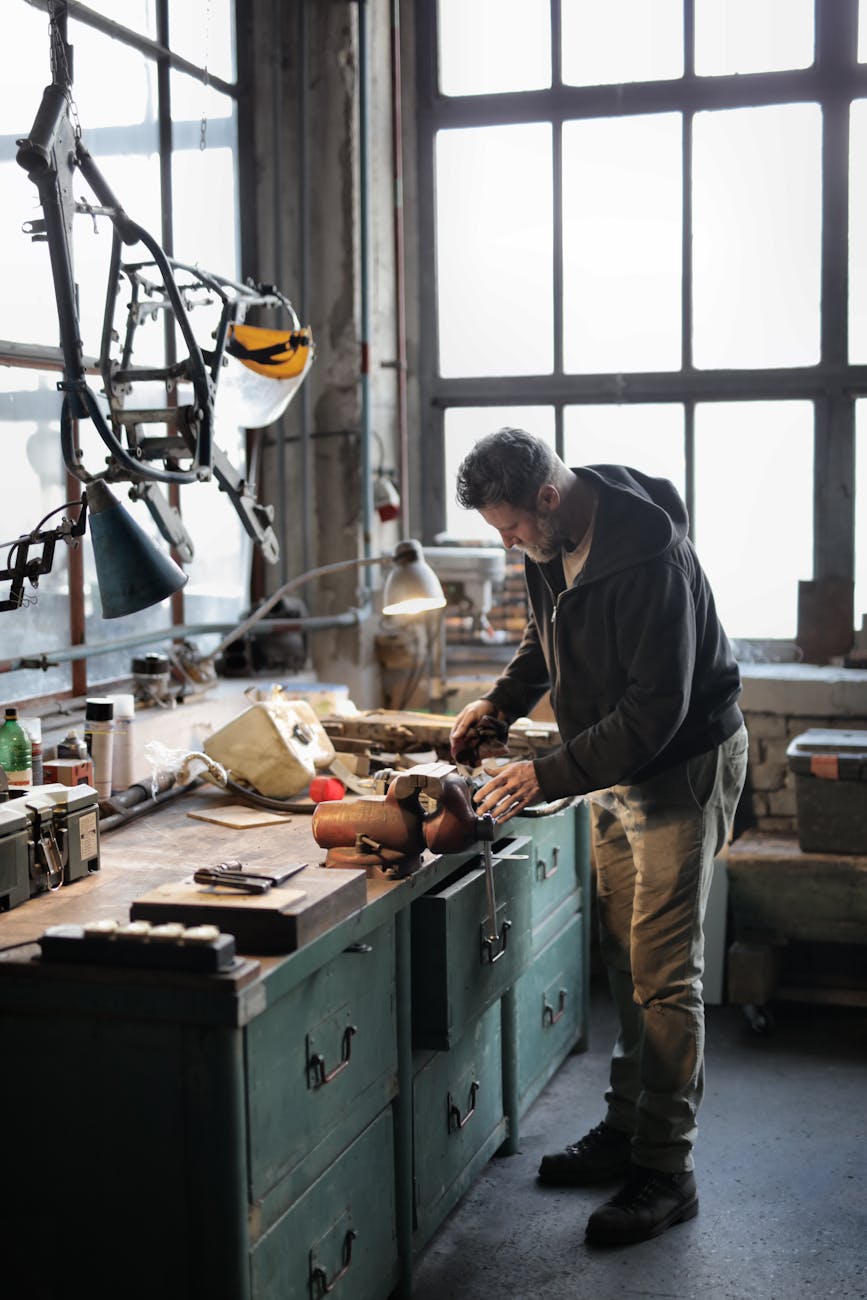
point(648, 225)
point(155, 93)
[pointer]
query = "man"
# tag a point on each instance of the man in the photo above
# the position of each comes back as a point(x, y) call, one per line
point(644, 686)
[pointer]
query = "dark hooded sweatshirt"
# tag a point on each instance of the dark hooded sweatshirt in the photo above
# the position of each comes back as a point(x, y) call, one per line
point(641, 673)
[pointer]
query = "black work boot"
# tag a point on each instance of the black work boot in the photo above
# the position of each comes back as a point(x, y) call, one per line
point(599, 1157)
point(650, 1202)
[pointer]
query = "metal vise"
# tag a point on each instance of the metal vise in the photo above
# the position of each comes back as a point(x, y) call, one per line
point(389, 833)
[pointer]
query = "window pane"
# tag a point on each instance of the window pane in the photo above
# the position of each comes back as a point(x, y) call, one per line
point(138, 15)
point(27, 312)
point(621, 40)
point(648, 437)
point(488, 46)
point(752, 35)
point(754, 487)
point(622, 244)
point(858, 231)
point(115, 89)
point(861, 513)
point(464, 425)
point(862, 32)
point(30, 440)
point(218, 589)
point(757, 236)
point(494, 250)
point(204, 234)
point(203, 31)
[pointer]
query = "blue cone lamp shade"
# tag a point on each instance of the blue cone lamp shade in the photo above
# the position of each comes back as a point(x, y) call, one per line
point(131, 571)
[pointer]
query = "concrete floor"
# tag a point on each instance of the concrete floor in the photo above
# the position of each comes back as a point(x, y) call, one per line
point(781, 1163)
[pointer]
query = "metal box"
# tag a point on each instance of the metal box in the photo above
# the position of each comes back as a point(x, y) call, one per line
point(14, 859)
point(830, 769)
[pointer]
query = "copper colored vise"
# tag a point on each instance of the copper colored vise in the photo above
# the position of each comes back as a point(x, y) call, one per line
point(388, 833)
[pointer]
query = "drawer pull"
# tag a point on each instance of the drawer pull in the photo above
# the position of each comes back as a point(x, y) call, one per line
point(455, 1121)
point(542, 872)
point(488, 944)
point(319, 1283)
point(317, 1062)
point(549, 1015)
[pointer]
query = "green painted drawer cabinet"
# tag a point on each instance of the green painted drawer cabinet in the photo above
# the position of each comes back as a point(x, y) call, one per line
point(322, 1061)
point(458, 1120)
point(303, 1134)
point(340, 1235)
point(547, 1010)
point(550, 1009)
point(455, 975)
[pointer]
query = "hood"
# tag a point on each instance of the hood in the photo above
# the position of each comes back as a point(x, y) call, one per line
point(638, 518)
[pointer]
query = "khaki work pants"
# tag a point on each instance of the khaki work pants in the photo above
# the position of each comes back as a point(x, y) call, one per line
point(655, 844)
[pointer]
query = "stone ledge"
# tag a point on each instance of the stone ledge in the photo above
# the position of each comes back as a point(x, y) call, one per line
point(804, 690)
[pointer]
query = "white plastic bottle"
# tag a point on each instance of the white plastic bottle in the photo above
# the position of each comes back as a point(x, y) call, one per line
point(123, 760)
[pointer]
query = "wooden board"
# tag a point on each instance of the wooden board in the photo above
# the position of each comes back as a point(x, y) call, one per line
point(279, 921)
point(238, 817)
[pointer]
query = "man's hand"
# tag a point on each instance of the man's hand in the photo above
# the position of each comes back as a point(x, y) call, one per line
point(462, 735)
point(509, 791)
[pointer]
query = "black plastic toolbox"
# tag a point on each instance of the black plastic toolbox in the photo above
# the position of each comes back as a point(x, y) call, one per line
point(830, 768)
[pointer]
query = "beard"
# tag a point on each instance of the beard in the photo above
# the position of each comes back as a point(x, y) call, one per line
point(551, 540)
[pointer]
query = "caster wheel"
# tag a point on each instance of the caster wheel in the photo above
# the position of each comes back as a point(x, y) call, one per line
point(759, 1019)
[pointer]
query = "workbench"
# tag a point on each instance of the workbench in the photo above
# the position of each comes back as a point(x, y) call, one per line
point(799, 924)
point(302, 1122)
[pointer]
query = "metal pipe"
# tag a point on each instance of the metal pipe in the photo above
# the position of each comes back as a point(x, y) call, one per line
point(364, 274)
point(305, 413)
point(399, 269)
point(68, 654)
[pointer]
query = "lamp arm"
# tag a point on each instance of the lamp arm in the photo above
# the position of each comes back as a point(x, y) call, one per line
point(292, 585)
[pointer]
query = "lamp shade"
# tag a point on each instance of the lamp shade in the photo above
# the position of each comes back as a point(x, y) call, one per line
point(411, 587)
point(131, 571)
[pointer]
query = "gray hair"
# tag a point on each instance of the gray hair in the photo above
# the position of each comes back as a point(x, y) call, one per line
point(509, 465)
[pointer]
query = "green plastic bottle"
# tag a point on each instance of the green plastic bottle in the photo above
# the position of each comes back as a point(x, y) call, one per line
point(16, 753)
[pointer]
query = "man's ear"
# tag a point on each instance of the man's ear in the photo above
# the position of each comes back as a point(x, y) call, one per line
point(548, 498)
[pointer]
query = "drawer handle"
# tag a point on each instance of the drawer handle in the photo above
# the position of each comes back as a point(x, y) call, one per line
point(488, 944)
point(542, 872)
point(319, 1278)
point(549, 1015)
point(317, 1062)
point(455, 1121)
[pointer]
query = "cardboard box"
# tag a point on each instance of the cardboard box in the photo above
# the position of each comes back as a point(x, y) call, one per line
point(68, 771)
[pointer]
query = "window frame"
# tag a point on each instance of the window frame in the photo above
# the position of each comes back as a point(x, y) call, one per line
point(833, 384)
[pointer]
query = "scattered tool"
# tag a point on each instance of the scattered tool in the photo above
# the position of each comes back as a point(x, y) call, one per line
point(235, 876)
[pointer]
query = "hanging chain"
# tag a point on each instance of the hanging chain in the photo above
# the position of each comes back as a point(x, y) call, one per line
point(61, 74)
point(203, 131)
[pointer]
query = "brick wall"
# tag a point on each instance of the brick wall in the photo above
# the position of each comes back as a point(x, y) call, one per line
point(779, 703)
point(771, 784)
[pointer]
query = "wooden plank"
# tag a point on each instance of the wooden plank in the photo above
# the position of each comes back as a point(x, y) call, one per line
point(279, 921)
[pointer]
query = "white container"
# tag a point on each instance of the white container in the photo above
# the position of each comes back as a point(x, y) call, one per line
point(123, 757)
point(275, 747)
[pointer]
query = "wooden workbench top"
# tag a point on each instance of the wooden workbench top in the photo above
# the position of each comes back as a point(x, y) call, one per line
point(160, 848)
